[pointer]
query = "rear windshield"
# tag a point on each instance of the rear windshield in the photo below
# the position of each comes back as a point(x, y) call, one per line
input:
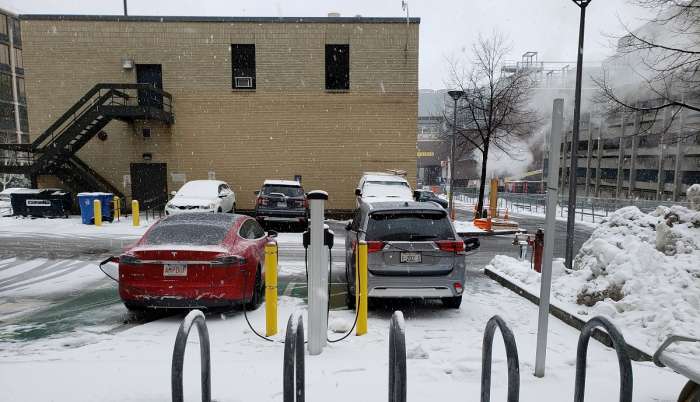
point(289, 191)
point(409, 226)
point(186, 234)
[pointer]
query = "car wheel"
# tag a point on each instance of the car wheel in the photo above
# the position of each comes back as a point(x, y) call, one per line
point(690, 393)
point(219, 210)
point(233, 208)
point(258, 291)
point(452, 302)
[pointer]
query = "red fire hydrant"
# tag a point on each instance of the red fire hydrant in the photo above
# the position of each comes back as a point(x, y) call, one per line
point(537, 249)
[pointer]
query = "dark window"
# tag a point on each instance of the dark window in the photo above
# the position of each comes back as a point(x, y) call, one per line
point(4, 54)
point(668, 176)
point(7, 116)
point(243, 66)
point(690, 177)
point(608, 173)
point(580, 172)
point(19, 63)
point(625, 174)
point(409, 226)
point(289, 191)
point(612, 143)
point(23, 119)
point(21, 90)
point(251, 230)
point(649, 175)
point(16, 37)
point(186, 234)
point(6, 87)
point(338, 67)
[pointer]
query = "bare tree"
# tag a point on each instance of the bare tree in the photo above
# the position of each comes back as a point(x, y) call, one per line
point(658, 64)
point(495, 110)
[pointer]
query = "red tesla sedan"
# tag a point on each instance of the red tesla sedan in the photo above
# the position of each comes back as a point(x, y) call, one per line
point(195, 260)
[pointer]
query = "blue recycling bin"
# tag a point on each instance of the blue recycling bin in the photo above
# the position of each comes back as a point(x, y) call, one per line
point(86, 201)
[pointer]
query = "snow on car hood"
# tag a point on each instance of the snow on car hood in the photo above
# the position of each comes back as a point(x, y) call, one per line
point(380, 192)
point(180, 201)
point(179, 247)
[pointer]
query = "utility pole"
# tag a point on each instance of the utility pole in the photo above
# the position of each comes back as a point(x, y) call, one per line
point(571, 215)
point(455, 95)
point(125, 10)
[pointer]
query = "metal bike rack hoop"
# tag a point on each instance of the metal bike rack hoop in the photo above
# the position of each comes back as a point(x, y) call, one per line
point(623, 359)
point(511, 355)
point(397, 358)
point(195, 317)
point(293, 365)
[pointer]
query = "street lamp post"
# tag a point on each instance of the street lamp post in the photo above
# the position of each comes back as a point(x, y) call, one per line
point(455, 95)
point(571, 215)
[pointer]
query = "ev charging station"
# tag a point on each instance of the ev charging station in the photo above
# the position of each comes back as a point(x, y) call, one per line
point(318, 273)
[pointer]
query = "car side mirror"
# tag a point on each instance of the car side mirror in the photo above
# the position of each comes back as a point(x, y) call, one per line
point(471, 244)
point(348, 226)
point(173, 193)
point(358, 192)
point(272, 233)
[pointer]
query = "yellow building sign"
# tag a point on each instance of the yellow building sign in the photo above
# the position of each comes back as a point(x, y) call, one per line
point(425, 154)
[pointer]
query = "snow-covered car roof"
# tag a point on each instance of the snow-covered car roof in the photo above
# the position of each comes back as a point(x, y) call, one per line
point(281, 183)
point(201, 187)
point(401, 205)
point(11, 190)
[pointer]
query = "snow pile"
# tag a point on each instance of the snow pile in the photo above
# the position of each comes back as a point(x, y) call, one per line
point(641, 270)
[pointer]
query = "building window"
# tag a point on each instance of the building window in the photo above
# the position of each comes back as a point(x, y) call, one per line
point(6, 87)
point(338, 67)
point(19, 63)
point(243, 66)
point(7, 116)
point(21, 90)
point(4, 54)
point(16, 37)
point(3, 24)
point(23, 119)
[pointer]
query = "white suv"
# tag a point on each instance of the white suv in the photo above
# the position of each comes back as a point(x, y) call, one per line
point(374, 187)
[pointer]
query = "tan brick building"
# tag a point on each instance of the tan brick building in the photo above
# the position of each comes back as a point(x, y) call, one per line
point(295, 120)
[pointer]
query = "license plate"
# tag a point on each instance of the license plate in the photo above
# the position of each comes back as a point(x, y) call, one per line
point(282, 204)
point(175, 270)
point(411, 257)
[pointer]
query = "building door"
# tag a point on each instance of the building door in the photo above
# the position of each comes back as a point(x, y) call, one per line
point(149, 184)
point(150, 74)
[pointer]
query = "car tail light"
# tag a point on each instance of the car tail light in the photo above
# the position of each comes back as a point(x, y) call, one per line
point(129, 259)
point(458, 288)
point(375, 246)
point(262, 201)
point(229, 260)
point(306, 203)
point(450, 245)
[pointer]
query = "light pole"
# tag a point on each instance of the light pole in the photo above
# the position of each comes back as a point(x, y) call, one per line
point(455, 95)
point(571, 213)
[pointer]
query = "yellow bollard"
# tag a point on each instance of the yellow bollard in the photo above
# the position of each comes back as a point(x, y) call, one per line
point(117, 208)
point(97, 212)
point(361, 288)
point(270, 289)
point(135, 213)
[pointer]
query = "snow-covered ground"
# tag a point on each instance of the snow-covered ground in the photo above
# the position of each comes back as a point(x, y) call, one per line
point(72, 227)
point(620, 273)
point(444, 349)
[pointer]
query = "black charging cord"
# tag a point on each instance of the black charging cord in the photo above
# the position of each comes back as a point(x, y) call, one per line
point(108, 260)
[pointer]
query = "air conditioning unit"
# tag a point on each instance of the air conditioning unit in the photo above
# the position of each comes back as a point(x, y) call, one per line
point(244, 82)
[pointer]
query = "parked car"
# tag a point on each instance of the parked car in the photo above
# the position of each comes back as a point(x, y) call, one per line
point(195, 260)
point(5, 202)
point(281, 201)
point(202, 196)
point(429, 196)
point(374, 187)
point(413, 252)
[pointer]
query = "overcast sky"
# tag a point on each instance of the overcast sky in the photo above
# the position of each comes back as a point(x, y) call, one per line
point(448, 27)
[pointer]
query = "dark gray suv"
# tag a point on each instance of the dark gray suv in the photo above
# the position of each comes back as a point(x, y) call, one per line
point(281, 201)
point(413, 252)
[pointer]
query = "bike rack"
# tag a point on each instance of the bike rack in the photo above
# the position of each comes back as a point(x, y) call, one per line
point(195, 317)
point(623, 359)
point(397, 358)
point(487, 358)
point(293, 365)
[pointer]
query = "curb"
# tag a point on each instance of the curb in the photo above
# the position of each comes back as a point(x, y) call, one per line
point(571, 320)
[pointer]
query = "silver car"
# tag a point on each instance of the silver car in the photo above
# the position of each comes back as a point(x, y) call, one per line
point(413, 252)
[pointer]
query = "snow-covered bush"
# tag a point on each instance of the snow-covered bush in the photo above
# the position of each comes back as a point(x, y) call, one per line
point(693, 195)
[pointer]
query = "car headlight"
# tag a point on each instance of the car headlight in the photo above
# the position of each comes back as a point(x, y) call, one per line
point(211, 206)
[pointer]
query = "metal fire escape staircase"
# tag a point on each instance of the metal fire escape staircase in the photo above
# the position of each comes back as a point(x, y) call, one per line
point(54, 151)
